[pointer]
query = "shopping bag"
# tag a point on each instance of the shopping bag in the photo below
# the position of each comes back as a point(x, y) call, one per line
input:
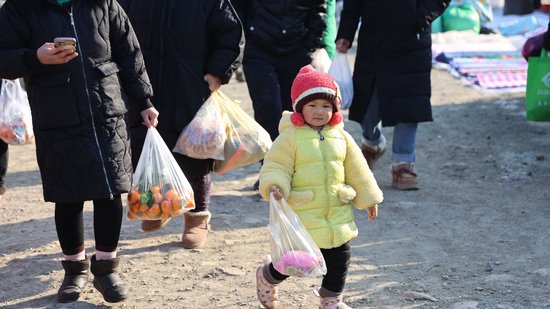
point(321, 60)
point(159, 188)
point(204, 137)
point(15, 114)
point(293, 251)
point(340, 70)
point(537, 94)
point(246, 143)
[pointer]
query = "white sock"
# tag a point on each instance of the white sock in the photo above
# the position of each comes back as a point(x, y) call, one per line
point(81, 256)
point(102, 255)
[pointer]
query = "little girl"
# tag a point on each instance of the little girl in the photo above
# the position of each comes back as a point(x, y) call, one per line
point(320, 170)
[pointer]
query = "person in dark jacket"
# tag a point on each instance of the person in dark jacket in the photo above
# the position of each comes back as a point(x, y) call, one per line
point(78, 113)
point(191, 48)
point(281, 37)
point(391, 77)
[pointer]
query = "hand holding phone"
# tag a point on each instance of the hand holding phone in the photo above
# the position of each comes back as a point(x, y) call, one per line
point(65, 43)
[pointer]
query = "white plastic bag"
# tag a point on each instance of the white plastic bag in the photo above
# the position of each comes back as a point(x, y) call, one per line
point(321, 60)
point(159, 188)
point(340, 70)
point(247, 141)
point(204, 137)
point(293, 251)
point(15, 114)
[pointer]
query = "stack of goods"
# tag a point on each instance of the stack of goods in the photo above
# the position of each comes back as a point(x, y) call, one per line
point(489, 62)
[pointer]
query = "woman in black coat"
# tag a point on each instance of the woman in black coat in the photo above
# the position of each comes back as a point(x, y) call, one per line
point(391, 77)
point(191, 48)
point(78, 114)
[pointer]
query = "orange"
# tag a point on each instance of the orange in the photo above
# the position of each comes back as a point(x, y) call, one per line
point(190, 204)
point(155, 189)
point(154, 210)
point(143, 207)
point(176, 205)
point(166, 207)
point(170, 194)
point(157, 197)
point(164, 216)
point(133, 197)
point(134, 208)
point(131, 216)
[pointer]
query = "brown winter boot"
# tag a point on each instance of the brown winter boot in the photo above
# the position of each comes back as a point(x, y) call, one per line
point(403, 177)
point(153, 225)
point(373, 153)
point(196, 229)
point(76, 277)
point(107, 281)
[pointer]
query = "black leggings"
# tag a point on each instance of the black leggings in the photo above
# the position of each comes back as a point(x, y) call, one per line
point(69, 224)
point(337, 260)
point(3, 161)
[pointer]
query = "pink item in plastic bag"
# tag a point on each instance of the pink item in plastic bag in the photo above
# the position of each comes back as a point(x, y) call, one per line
point(298, 264)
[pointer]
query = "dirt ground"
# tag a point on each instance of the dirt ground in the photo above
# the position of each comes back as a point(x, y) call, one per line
point(477, 234)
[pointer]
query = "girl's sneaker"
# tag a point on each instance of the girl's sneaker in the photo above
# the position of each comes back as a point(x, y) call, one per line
point(333, 303)
point(267, 292)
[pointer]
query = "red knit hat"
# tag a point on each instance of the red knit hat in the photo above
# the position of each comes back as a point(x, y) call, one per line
point(310, 85)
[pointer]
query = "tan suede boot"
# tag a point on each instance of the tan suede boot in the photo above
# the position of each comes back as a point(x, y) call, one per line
point(403, 176)
point(196, 229)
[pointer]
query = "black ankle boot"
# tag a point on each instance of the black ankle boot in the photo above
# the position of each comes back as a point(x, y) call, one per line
point(76, 277)
point(107, 281)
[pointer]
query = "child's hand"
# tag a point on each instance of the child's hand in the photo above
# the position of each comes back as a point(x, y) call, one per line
point(373, 212)
point(277, 194)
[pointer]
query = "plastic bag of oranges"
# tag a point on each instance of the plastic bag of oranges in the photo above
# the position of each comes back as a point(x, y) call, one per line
point(159, 188)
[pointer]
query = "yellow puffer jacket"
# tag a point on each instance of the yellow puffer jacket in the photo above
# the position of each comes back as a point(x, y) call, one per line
point(320, 173)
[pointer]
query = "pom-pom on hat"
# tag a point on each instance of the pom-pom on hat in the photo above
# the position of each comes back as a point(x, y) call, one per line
point(310, 85)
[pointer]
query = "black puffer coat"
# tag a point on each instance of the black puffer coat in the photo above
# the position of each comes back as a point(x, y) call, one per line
point(181, 42)
point(78, 112)
point(279, 25)
point(393, 52)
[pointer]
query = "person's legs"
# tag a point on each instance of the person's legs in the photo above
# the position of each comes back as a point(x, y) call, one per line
point(404, 142)
point(373, 141)
point(197, 221)
point(104, 263)
point(263, 87)
point(267, 282)
point(3, 167)
point(70, 232)
point(287, 67)
point(337, 261)
point(403, 156)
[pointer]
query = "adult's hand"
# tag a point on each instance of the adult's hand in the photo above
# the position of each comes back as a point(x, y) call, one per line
point(150, 117)
point(49, 54)
point(342, 45)
point(214, 83)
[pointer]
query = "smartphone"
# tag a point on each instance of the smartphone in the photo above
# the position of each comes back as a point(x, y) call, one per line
point(65, 42)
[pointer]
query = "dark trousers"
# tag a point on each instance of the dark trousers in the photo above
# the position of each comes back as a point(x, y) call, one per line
point(69, 224)
point(3, 162)
point(269, 78)
point(337, 261)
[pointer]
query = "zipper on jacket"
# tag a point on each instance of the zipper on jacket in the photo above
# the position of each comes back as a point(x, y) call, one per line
point(321, 136)
point(327, 204)
point(81, 56)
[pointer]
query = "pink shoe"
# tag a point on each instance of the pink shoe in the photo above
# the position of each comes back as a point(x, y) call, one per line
point(267, 292)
